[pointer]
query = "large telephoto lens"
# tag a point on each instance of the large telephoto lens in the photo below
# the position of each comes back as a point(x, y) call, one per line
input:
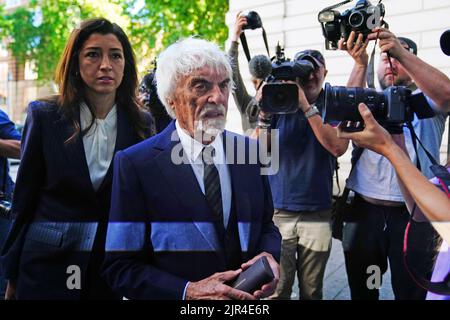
point(341, 103)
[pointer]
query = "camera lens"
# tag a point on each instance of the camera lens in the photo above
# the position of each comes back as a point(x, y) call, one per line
point(356, 19)
point(279, 98)
point(341, 103)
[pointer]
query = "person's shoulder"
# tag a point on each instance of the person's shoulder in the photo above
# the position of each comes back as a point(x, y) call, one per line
point(238, 141)
point(149, 147)
point(46, 105)
point(233, 136)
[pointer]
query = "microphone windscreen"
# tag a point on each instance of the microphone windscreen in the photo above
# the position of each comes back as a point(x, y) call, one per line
point(260, 67)
point(445, 42)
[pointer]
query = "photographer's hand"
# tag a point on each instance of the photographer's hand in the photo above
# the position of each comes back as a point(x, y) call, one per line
point(358, 51)
point(373, 137)
point(241, 22)
point(388, 42)
point(303, 103)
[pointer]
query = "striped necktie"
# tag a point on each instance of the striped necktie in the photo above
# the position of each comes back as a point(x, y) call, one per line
point(211, 182)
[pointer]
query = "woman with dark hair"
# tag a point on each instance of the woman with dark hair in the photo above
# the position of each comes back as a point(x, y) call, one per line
point(63, 189)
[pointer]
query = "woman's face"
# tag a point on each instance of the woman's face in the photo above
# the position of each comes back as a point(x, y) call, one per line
point(102, 64)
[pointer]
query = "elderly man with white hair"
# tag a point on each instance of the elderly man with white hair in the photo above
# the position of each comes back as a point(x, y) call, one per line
point(186, 216)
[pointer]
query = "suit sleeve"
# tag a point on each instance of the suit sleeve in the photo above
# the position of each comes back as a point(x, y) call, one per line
point(7, 128)
point(30, 177)
point(128, 265)
point(270, 240)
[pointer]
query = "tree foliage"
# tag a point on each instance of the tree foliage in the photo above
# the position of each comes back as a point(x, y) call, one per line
point(38, 32)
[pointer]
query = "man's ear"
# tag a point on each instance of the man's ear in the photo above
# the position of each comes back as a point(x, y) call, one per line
point(326, 72)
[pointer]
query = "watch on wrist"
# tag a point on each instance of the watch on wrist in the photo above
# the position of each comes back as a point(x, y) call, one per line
point(311, 112)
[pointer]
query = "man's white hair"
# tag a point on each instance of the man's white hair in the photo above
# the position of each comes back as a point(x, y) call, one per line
point(182, 58)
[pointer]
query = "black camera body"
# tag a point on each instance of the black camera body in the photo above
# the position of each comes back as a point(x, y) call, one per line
point(279, 97)
point(394, 106)
point(362, 18)
point(253, 20)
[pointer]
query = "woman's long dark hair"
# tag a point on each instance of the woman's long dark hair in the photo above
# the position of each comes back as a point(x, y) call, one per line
point(71, 86)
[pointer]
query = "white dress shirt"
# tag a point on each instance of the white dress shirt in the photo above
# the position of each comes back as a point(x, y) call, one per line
point(99, 143)
point(193, 149)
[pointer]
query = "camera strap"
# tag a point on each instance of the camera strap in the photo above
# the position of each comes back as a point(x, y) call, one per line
point(355, 158)
point(441, 173)
point(245, 44)
point(340, 4)
point(371, 67)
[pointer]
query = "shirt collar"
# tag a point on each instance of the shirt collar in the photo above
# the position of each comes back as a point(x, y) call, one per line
point(193, 148)
point(110, 118)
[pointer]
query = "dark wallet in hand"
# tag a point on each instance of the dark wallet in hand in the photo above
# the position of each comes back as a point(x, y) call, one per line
point(254, 277)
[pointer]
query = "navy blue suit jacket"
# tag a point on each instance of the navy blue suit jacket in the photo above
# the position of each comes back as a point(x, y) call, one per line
point(60, 220)
point(161, 233)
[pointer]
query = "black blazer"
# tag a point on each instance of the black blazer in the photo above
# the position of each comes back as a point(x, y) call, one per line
point(61, 220)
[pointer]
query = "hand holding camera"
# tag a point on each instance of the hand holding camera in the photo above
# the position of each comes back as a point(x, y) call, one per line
point(373, 137)
point(357, 49)
point(239, 26)
point(362, 19)
point(388, 42)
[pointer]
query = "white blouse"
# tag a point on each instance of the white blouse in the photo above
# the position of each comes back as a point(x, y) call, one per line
point(99, 143)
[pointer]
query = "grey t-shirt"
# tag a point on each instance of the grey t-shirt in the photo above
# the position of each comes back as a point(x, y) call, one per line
point(374, 175)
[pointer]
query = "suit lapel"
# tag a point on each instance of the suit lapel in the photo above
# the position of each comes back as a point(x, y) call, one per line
point(74, 150)
point(241, 196)
point(184, 184)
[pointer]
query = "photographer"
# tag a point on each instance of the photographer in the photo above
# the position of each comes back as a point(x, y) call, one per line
point(245, 103)
point(302, 188)
point(374, 228)
point(9, 148)
point(416, 189)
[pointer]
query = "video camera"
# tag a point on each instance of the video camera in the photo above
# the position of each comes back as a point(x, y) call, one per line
point(391, 108)
point(279, 97)
point(362, 18)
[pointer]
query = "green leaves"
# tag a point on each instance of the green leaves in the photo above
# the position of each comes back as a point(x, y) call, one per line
point(38, 32)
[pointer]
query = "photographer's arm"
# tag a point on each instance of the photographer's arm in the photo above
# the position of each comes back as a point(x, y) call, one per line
point(240, 94)
point(325, 133)
point(430, 80)
point(434, 203)
point(10, 148)
point(418, 190)
point(357, 50)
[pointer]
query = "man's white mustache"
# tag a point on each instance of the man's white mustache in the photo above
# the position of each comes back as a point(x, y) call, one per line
point(212, 108)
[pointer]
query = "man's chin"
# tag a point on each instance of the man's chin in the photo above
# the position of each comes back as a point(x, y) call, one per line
point(210, 129)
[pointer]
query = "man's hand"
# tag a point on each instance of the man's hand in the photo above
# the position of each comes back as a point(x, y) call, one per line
point(269, 288)
point(213, 288)
point(388, 42)
point(241, 22)
point(373, 137)
point(10, 293)
point(357, 50)
point(303, 103)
